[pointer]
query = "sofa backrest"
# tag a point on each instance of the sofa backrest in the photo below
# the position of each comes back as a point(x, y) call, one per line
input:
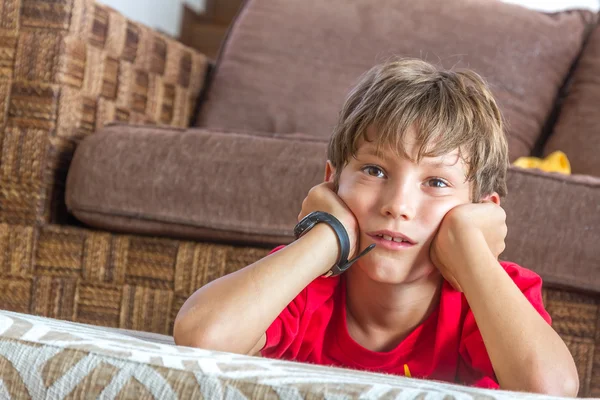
point(577, 131)
point(288, 64)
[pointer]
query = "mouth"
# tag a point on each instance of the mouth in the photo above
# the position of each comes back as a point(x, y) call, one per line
point(392, 238)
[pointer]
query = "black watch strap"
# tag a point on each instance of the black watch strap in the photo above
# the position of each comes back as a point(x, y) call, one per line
point(315, 217)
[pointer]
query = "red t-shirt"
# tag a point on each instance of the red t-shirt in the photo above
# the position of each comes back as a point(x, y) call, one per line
point(447, 346)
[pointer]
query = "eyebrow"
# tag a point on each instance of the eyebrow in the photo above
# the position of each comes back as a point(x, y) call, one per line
point(372, 151)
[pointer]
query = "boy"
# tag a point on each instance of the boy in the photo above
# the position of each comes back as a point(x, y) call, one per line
point(417, 165)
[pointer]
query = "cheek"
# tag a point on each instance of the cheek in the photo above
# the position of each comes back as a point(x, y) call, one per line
point(434, 212)
point(357, 197)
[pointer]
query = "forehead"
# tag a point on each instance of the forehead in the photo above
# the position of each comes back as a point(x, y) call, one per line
point(410, 150)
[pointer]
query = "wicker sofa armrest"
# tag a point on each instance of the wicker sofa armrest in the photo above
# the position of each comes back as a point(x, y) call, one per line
point(67, 68)
point(80, 64)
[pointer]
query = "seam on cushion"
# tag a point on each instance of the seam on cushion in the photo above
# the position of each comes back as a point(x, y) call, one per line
point(556, 177)
point(250, 134)
point(259, 135)
point(121, 214)
point(146, 126)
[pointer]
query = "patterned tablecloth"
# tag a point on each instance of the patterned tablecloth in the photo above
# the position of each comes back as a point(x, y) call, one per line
point(42, 358)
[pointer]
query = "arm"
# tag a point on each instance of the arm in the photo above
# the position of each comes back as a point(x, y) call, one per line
point(526, 353)
point(233, 313)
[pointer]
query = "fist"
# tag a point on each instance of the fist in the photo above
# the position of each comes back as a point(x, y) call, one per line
point(323, 198)
point(461, 229)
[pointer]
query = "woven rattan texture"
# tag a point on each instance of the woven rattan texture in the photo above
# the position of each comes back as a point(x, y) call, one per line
point(67, 67)
point(104, 279)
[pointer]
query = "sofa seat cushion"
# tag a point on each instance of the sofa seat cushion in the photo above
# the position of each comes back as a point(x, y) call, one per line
point(42, 358)
point(288, 64)
point(577, 131)
point(196, 184)
point(235, 188)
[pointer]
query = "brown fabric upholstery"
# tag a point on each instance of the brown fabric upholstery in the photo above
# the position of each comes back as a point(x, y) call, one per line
point(577, 131)
point(238, 188)
point(554, 226)
point(196, 183)
point(293, 76)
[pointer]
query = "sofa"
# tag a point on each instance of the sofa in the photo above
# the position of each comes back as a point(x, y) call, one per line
point(134, 170)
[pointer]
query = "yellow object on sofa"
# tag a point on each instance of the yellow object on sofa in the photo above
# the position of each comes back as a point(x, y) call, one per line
point(554, 162)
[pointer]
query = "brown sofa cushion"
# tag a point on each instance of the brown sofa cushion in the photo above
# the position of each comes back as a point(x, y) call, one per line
point(194, 184)
point(577, 131)
point(554, 226)
point(288, 64)
point(237, 188)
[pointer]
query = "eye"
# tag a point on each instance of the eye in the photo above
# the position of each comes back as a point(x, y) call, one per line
point(437, 183)
point(372, 170)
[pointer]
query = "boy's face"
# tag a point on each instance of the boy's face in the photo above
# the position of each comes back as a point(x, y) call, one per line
point(393, 196)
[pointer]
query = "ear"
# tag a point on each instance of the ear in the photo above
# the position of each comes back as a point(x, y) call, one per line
point(329, 172)
point(494, 198)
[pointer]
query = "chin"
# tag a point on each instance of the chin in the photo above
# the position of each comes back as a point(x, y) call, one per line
point(382, 270)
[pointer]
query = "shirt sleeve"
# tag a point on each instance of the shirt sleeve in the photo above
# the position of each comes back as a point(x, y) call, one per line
point(283, 331)
point(298, 325)
point(285, 325)
point(475, 367)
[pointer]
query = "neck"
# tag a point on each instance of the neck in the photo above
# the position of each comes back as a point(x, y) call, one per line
point(381, 315)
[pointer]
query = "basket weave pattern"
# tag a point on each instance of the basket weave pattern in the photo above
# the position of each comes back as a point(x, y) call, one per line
point(68, 67)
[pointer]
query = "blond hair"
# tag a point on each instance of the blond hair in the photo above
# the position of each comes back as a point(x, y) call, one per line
point(449, 110)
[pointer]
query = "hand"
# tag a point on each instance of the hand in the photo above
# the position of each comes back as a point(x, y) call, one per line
point(462, 228)
point(323, 198)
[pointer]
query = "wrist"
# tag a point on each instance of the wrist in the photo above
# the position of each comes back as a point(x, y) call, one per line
point(476, 255)
point(323, 243)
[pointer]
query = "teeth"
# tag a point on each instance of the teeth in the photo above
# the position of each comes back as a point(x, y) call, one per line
point(386, 237)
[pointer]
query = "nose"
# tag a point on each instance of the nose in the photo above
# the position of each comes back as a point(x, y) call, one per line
point(398, 202)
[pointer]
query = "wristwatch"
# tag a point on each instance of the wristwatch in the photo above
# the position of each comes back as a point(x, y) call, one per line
point(315, 217)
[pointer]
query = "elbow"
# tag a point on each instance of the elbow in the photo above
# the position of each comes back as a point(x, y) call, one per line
point(571, 386)
point(189, 334)
point(562, 382)
point(182, 334)
point(192, 337)
point(566, 387)
point(203, 336)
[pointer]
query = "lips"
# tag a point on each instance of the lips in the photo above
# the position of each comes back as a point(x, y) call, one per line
point(391, 236)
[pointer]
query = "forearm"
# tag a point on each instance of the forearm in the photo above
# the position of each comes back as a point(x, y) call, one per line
point(526, 353)
point(233, 312)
